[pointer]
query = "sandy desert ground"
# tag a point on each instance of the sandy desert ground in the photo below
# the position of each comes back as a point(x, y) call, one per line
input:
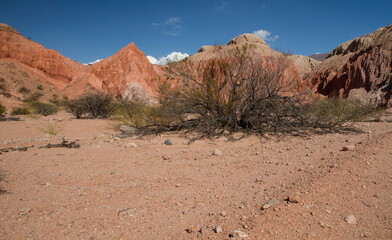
point(111, 189)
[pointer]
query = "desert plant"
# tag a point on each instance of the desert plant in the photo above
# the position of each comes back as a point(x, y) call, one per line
point(43, 108)
point(23, 90)
point(98, 105)
point(40, 87)
point(51, 128)
point(33, 97)
point(332, 112)
point(20, 111)
point(3, 109)
point(245, 94)
point(76, 107)
point(3, 85)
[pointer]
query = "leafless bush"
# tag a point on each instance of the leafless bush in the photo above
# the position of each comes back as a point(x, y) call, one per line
point(241, 94)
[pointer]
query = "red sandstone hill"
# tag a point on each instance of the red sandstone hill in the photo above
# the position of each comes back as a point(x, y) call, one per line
point(128, 68)
point(256, 48)
point(360, 68)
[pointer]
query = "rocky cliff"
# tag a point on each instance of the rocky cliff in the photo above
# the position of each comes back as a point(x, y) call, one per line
point(303, 64)
point(361, 67)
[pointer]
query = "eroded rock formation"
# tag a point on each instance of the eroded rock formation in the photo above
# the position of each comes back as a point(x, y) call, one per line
point(361, 67)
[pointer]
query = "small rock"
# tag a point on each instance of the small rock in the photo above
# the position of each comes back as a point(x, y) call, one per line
point(165, 157)
point(192, 229)
point(130, 145)
point(322, 224)
point(270, 203)
point(168, 142)
point(351, 219)
point(349, 148)
point(217, 152)
point(48, 184)
point(124, 129)
point(238, 235)
point(218, 229)
point(293, 199)
point(223, 214)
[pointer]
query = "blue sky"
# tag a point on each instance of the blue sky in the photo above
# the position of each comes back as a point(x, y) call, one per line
point(86, 30)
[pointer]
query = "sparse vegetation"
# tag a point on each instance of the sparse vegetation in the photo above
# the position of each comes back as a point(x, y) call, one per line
point(97, 105)
point(3, 109)
point(33, 97)
point(40, 87)
point(51, 128)
point(20, 111)
point(23, 90)
point(43, 108)
point(334, 112)
point(3, 85)
point(247, 95)
point(76, 107)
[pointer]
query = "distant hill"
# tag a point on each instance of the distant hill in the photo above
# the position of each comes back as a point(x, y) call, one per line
point(319, 56)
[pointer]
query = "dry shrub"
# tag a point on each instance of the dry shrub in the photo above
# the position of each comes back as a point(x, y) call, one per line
point(244, 94)
point(52, 128)
point(3, 109)
point(20, 111)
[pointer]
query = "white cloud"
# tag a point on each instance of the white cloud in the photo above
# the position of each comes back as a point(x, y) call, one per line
point(172, 57)
point(171, 26)
point(222, 6)
point(98, 60)
point(265, 35)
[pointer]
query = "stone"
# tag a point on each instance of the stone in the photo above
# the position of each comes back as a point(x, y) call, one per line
point(193, 229)
point(168, 142)
point(351, 219)
point(165, 157)
point(270, 203)
point(124, 129)
point(294, 199)
point(349, 148)
point(217, 152)
point(239, 235)
point(218, 229)
point(130, 145)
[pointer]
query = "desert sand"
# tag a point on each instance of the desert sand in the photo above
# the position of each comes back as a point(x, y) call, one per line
point(139, 188)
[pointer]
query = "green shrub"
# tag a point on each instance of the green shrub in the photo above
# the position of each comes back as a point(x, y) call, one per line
point(33, 97)
point(3, 109)
point(76, 107)
point(23, 90)
point(98, 105)
point(20, 111)
point(333, 112)
point(40, 87)
point(43, 108)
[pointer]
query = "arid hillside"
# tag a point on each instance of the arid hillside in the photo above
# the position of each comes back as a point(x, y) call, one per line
point(360, 67)
point(127, 69)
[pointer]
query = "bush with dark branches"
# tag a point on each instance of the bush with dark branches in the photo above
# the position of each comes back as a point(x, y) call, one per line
point(243, 94)
point(97, 105)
